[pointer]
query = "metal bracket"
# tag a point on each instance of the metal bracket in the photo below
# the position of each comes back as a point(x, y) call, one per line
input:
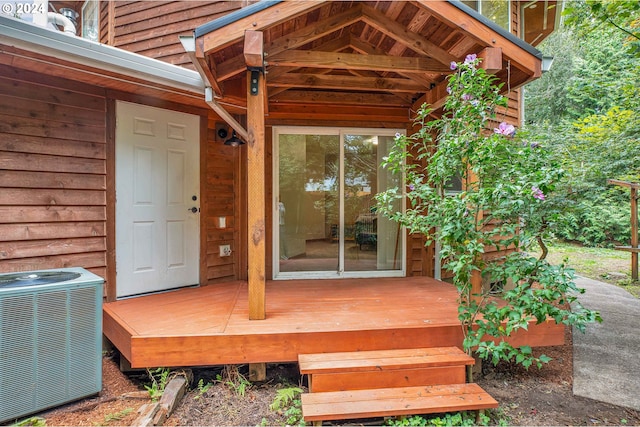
point(255, 79)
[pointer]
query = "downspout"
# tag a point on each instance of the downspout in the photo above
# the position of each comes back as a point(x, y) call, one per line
point(61, 20)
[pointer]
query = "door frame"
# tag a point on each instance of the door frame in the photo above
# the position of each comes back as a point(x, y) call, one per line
point(110, 294)
point(327, 130)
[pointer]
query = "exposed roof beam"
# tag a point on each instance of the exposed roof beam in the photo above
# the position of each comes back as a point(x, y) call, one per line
point(331, 81)
point(397, 31)
point(354, 61)
point(365, 47)
point(273, 15)
point(295, 39)
point(332, 97)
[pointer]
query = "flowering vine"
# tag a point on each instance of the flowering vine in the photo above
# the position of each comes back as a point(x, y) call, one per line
point(505, 206)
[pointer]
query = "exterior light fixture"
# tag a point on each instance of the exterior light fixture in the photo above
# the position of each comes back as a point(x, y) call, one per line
point(546, 63)
point(234, 141)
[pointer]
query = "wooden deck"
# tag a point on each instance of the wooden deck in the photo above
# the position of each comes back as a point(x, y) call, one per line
point(209, 325)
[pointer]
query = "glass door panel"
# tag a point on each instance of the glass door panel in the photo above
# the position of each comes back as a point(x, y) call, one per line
point(372, 242)
point(308, 205)
point(326, 223)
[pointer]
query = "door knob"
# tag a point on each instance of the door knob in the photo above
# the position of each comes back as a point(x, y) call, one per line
point(193, 209)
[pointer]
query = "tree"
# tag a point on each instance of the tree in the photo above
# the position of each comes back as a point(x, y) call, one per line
point(586, 108)
point(623, 15)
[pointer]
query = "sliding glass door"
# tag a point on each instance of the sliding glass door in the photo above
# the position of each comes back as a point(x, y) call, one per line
point(325, 218)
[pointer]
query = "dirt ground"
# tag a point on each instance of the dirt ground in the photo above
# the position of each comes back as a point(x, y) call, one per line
point(535, 397)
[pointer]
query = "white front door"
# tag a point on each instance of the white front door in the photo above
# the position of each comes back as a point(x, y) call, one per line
point(157, 187)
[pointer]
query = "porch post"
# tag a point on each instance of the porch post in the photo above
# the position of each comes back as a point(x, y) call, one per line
point(256, 99)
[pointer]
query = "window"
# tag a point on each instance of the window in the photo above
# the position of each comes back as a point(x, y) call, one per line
point(91, 20)
point(325, 219)
point(496, 10)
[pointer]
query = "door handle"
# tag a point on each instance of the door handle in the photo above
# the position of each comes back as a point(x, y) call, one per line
point(193, 210)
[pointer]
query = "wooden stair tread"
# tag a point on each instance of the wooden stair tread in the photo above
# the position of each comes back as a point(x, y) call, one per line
point(336, 405)
point(376, 360)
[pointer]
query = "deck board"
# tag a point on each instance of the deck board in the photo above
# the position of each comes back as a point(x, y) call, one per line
point(210, 325)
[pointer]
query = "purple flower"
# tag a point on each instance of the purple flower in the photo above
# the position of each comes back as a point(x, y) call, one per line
point(470, 58)
point(467, 97)
point(505, 129)
point(475, 102)
point(453, 65)
point(534, 145)
point(398, 135)
point(449, 90)
point(412, 187)
point(537, 193)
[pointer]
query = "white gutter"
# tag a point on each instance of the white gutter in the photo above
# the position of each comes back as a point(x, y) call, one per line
point(33, 38)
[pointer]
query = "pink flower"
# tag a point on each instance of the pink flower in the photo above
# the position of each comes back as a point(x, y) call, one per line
point(505, 129)
point(537, 193)
point(470, 58)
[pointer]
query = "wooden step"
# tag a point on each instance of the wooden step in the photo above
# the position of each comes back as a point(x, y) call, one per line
point(353, 404)
point(384, 368)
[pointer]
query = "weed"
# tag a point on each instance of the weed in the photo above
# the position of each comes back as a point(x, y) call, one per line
point(159, 379)
point(232, 377)
point(118, 416)
point(202, 388)
point(287, 402)
point(452, 419)
point(31, 421)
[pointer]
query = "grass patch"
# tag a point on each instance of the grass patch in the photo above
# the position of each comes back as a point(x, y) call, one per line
point(596, 263)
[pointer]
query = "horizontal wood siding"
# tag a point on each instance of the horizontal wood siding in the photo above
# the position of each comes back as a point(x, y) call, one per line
point(152, 28)
point(219, 190)
point(53, 173)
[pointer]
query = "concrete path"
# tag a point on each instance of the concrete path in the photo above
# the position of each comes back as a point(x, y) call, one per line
point(606, 359)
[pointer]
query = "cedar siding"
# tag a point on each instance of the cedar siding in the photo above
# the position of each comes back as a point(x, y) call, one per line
point(53, 180)
point(152, 28)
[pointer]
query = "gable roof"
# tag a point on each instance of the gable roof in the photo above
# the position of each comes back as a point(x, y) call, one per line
point(391, 53)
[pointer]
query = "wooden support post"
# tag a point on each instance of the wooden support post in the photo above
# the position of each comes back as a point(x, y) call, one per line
point(256, 101)
point(634, 232)
point(257, 372)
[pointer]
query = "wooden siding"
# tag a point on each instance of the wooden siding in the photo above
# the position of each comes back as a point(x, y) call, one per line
point(53, 173)
point(220, 194)
point(152, 28)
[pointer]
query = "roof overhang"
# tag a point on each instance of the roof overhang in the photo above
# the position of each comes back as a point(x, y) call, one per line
point(385, 54)
point(41, 49)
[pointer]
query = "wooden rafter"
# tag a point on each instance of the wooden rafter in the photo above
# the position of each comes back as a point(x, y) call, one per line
point(341, 60)
point(399, 32)
point(325, 81)
point(276, 14)
point(295, 39)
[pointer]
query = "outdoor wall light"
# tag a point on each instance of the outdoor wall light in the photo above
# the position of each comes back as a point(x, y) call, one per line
point(234, 141)
point(546, 63)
